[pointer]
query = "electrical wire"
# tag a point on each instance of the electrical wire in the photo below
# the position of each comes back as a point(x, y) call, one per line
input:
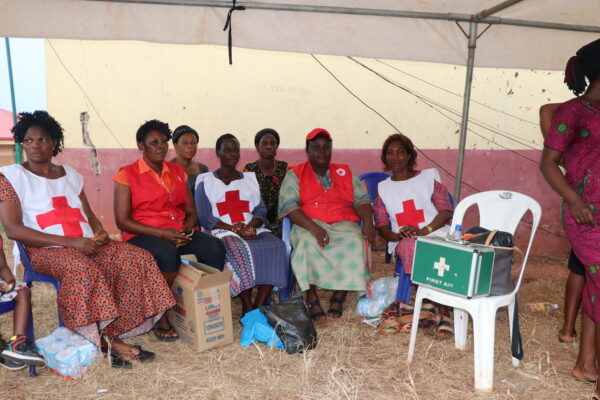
point(419, 150)
point(84, 93)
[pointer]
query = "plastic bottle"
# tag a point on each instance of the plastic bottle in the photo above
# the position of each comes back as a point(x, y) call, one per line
point(541, 307)
point(457, 234)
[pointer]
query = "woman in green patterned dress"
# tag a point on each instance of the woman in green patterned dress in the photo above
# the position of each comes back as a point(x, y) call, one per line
point(326, 204)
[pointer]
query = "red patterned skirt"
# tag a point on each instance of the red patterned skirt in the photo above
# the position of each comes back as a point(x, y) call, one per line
point(120, 292)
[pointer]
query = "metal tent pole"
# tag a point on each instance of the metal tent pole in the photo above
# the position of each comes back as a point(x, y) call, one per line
point(465, 113)
point(18, 152)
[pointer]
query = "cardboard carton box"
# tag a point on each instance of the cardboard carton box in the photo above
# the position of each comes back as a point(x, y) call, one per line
point(202, 316)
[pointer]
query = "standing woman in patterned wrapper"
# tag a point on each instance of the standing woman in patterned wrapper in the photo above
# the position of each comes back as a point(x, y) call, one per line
point(269, 173)
point(575, 136)
point(108, 288)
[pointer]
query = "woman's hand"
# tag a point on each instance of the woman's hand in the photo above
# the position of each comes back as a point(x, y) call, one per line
point(582, 212)
point(248, 232)
point(368, 232)
point(7, 276)
point(101, 237)
point(87, 246)
point(321, 235)
point(409, 231)
point(174, 236)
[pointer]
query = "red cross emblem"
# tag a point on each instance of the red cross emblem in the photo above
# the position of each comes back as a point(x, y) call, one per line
point(63, 215)
point(410, 216)
point(233, 206)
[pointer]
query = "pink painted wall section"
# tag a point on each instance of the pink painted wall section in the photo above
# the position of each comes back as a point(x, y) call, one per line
point(484, 170)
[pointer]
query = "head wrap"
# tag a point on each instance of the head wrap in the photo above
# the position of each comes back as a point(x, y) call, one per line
point(182, 130)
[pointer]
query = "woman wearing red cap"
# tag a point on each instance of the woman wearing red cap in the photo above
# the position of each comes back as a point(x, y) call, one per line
point(326, 204)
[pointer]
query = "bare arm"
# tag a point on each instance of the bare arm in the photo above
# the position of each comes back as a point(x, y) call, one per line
point(549, 167)
point(11, 216)
point(365, 212)
point(122, 210)
point(299, 218)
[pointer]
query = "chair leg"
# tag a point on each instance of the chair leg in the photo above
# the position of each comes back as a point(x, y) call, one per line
point(31, 335)
point(484, 326)
point(511, 314)
point(415, 325)
point(461, 326)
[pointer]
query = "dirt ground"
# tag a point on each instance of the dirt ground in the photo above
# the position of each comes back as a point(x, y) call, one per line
point(352, 361)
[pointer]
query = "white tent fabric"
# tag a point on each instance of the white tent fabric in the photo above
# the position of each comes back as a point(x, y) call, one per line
point(318, 32)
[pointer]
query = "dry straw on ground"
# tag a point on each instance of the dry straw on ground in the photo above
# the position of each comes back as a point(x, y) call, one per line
point(351, 362)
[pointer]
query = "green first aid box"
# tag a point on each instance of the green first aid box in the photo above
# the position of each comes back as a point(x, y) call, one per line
point(460, 268)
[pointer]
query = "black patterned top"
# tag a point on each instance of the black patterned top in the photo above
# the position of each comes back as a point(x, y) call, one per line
point(269, 190)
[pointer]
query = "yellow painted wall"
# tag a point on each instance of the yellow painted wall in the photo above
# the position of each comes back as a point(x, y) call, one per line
point(123, 84)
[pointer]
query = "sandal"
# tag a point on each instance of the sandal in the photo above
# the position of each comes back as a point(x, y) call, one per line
point(333, 312)
point(583, 377)
point(116, 361)
point(445, 327)
point(164, 336)
point(389, 327)
point(319, 315)
point(143, 355)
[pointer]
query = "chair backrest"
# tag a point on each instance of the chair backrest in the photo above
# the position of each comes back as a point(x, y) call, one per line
point(502, 210)
point(371, 180)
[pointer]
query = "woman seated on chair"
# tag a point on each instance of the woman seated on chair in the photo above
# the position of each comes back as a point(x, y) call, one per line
point(230, 207)
point(269, 173)
point(108, 288)
point(326, 204)
point(185, 143)
point(409, 203)
point(155, 211)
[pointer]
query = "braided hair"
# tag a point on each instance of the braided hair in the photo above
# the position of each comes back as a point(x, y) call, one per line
point(586, 63)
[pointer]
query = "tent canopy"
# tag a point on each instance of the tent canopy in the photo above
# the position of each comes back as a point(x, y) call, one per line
point(431, 33)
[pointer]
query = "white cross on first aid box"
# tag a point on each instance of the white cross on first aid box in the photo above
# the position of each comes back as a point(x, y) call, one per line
point(461, 268)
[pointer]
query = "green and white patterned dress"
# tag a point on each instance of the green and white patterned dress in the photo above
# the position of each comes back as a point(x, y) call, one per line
point(341, 265)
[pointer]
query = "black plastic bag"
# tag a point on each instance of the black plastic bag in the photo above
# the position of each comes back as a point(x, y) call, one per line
point(292, 323)
point(503, 243)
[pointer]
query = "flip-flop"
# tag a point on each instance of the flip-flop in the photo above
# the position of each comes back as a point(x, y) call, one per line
point(116, 361)
point(333, 313)
point(445, 327)
point(143, 355)
point(389, 327)
point(319, 315)
point(167, 339)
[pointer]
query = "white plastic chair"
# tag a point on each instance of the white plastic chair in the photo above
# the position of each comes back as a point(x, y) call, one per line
point(502, 210)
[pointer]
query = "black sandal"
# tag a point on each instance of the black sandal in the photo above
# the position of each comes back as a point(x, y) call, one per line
point(116, 361)
point(319, 315)
point(143, 355)
point(333, 313)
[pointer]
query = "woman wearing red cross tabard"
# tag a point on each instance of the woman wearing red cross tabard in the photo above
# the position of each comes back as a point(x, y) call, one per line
point(230, 206)
point(155, 210)
point(104, 283)
point(410, 203)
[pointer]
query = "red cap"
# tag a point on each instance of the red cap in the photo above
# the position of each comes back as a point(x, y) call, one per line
point(317, 131)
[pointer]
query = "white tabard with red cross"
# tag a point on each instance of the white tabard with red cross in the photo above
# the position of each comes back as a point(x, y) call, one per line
point(232, 203)
point(50, 205)
point(409, 202)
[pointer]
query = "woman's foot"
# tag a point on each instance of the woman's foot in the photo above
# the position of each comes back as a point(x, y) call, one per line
point(336, 304)
point(566, 337)
point(583, 375)
point(315, 310)
point(164, 332)
point(121, 354)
